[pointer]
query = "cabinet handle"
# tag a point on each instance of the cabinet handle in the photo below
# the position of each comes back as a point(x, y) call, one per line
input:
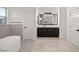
point(49, 30)
point(77, 30)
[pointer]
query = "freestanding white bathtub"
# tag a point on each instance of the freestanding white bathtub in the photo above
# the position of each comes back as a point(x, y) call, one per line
point(10, 44)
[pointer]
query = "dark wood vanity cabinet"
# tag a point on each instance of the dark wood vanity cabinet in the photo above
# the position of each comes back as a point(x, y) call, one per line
point(47, 32)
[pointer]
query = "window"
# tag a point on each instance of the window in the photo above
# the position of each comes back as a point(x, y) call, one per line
point(2, 15)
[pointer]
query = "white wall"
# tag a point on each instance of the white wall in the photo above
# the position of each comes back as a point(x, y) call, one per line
point(63, 22)
point(26, 17)
point(68, 23)
point(15, 15)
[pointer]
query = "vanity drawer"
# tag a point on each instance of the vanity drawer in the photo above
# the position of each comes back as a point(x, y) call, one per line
point(48, 32)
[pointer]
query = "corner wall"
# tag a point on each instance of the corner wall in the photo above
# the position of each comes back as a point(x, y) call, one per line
point(63, 22)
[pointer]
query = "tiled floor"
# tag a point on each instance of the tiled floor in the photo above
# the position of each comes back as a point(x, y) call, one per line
point(48, 45)
point(53, 45)
point(26, 45)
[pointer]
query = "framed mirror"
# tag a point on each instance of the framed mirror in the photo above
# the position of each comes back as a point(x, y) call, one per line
point(47, 19)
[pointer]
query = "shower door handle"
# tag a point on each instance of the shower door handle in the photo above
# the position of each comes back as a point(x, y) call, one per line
point(25, 27)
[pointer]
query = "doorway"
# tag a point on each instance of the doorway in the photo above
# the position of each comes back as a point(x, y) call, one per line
point(73, 19)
